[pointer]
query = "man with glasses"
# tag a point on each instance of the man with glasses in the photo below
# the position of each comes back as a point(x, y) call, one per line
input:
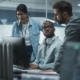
point(48, 50)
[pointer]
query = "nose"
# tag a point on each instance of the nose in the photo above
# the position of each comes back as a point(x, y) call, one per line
point(19, 17)
point(47, 29)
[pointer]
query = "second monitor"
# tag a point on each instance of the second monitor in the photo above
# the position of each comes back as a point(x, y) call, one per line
point(20, 56)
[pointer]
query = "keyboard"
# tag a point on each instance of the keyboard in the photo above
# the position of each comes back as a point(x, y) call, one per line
point(19, 69)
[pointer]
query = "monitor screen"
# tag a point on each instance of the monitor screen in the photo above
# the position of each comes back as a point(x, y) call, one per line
point(70, 69)
point(6, 61)
point(20, 56)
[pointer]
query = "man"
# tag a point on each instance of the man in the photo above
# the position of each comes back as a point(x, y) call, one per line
point(48, 50)
point(63, 15)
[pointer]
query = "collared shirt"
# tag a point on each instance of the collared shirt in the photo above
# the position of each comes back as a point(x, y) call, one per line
point(25, 32)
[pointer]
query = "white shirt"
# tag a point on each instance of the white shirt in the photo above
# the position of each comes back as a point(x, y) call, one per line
point(25, 32)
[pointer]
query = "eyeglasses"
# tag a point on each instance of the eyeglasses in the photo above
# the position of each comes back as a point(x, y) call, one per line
point(44, 27)
point(20, 14)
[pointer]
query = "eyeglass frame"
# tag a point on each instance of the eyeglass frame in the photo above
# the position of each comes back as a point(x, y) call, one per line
point(21, 14)
point(44, 27)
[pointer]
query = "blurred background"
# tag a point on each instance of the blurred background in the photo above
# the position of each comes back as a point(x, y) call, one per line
point(38, 9)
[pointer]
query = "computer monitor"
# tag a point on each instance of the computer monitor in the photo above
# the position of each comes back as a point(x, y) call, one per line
point(70, 69)
point(20, 56)
point(6, 61)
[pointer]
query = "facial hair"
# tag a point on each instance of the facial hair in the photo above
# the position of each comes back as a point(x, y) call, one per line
point(49, 36)
point(62, 21)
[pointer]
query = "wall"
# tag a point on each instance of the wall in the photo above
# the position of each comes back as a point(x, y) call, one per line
point(7, 18)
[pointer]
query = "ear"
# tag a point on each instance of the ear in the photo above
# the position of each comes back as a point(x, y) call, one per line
point(26, 13)
point(65, 14)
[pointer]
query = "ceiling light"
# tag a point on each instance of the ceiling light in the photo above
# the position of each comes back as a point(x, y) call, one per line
point(78, 4)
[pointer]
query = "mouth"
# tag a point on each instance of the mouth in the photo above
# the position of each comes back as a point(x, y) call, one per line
point(47, 32)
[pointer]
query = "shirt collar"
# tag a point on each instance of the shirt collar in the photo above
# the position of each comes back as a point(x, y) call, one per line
point(53, 38)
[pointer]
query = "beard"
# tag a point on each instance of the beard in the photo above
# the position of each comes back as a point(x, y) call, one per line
point(49, 36)
point(62, 21)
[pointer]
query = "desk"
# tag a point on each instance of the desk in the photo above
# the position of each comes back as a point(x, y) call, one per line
point(38, 71)
point(34, 71)
point(35, 74)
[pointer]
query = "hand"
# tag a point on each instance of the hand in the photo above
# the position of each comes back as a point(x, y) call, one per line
point(33, 66)
point(49, 70)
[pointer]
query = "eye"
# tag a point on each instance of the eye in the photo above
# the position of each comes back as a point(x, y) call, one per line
point(21, 14)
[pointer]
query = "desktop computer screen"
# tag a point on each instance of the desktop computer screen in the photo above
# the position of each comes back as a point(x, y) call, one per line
point(6, 61)
point(70, 69)
point(20, 56)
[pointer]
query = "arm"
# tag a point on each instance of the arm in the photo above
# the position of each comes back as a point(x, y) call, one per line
point(70, 35)
point(40, 25)
point(35, 64)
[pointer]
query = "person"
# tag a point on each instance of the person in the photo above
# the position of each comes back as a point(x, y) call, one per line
point(48, 50)
point(28, 28)
point(63, 15)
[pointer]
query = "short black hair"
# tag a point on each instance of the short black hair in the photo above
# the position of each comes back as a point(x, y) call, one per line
point(63, 6)
point(22, 7)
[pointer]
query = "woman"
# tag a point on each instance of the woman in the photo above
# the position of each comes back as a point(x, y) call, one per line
point(29, 29)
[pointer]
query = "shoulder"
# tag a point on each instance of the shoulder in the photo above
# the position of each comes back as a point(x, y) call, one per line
point(16, 22)
point(57, 39)
point(42, 44)
point(58, 42)
point(73, 23)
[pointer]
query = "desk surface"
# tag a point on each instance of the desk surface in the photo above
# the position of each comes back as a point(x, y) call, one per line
point(33, 74)
point(35, 71)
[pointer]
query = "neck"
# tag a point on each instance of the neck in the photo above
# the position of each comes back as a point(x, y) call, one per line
point(67, 21)
point(49, 37)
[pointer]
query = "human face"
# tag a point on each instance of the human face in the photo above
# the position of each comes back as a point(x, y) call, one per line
point(59, 17)
point(21, 16)
point(48, 30)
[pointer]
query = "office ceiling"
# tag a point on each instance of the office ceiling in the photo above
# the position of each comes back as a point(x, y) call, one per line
point(36, 4)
